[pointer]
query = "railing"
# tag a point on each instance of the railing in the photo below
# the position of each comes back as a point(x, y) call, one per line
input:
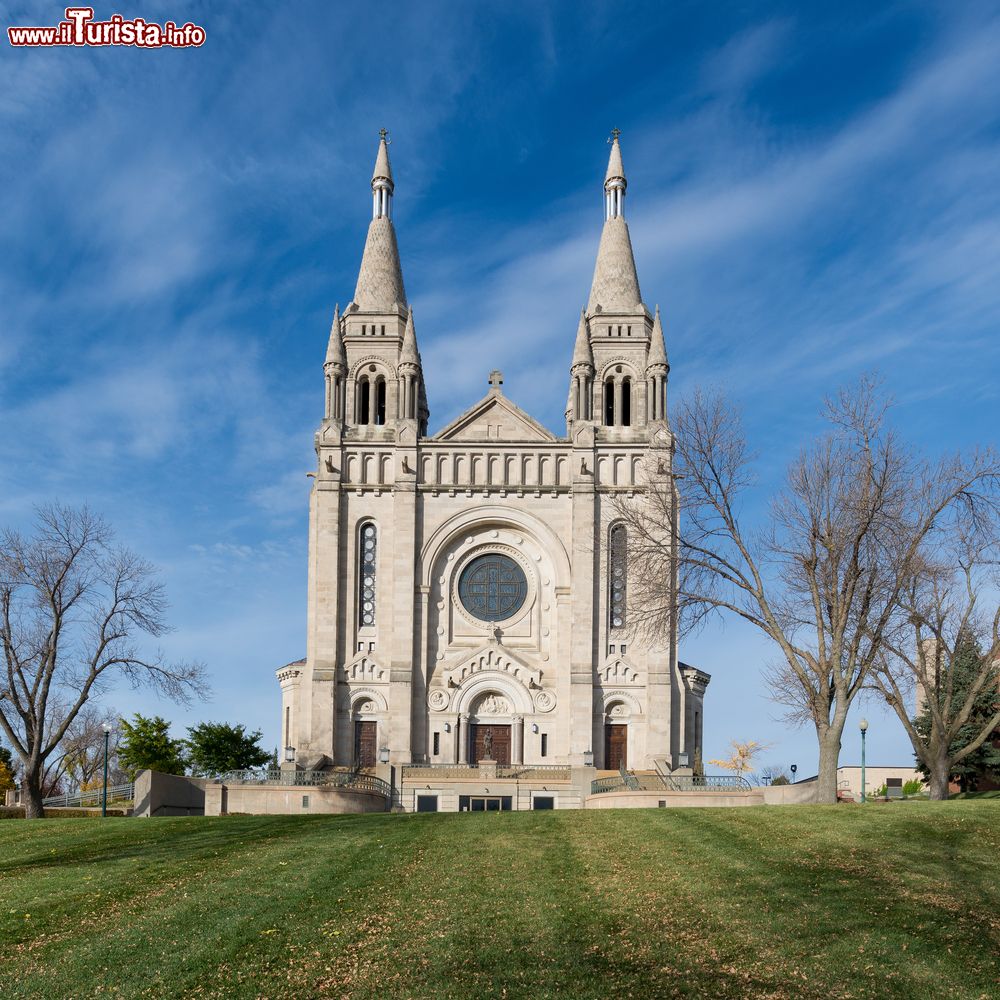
point(555, 772)
point(664, 782)
point(312, 779)
point(93, 797)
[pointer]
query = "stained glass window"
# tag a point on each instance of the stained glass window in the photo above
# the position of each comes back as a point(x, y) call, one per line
point(366, 576)
point(617, 560)
point(492, 587)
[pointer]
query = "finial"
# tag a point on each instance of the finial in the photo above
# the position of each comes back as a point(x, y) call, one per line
point(496, 380)
point(383, 134)
point(615, 132)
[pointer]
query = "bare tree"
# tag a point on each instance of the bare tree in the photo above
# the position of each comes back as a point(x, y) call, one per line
point(945, 653)
point(822, 576)
point(72, 607)
point(79, 758)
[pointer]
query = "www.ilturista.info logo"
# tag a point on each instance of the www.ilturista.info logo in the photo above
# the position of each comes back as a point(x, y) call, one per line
point(80, 28)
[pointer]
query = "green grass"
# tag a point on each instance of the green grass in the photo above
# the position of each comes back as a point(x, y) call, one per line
point(804, 902)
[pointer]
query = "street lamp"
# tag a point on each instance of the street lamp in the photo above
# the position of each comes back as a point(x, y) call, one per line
point(104, 796)
point(794, 768)
point(863, 726)
point(383, 758)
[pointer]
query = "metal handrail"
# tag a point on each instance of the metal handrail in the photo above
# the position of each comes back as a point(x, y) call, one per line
point(116, 793)
point(672, 783)
point(311, 779)
point(504, 771)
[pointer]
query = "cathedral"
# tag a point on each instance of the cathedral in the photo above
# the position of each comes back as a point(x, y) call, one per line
point(469, 588)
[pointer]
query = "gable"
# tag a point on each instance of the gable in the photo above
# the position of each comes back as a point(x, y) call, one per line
point(494, 418)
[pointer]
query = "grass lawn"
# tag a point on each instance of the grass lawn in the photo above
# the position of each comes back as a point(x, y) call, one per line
point(898, 900)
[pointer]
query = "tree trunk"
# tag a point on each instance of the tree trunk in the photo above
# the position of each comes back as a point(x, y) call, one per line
point(31, 793)
point(940, 772)
point(829, 759)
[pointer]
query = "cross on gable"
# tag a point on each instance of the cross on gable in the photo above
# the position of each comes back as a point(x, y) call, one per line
point(496, 379)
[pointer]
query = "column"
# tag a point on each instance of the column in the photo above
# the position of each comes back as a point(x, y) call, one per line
point(462, 736)
point(618, 403)
point(517, 740)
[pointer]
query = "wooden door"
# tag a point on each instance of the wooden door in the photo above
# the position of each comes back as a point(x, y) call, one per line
point(365, 737)
point(499, 738)
point(615, 747)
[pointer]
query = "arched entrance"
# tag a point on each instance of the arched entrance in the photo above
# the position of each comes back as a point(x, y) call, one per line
point(365, 733)
point(616, 718)
point(491, 729)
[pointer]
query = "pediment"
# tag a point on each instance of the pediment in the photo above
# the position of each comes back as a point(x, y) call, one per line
point(492, 656)
point(495, 418)
point(618, 671)
point(364, 667)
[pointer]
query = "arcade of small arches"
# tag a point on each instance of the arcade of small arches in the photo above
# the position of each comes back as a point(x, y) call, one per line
point(617, 398)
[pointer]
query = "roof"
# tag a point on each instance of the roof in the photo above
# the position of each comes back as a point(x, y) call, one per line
point(657, 348)
point(582, 354)
point(475, 423)
point(615, 287)
point(409, 352)
point(335, 347)
point(616, 171)
point(380, 279)
point(383, 170)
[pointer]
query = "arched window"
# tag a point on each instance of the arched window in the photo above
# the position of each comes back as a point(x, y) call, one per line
point(627, 403)
point(380, 401)
point(609, 402)
point(364, 401)
point(618, 576)
point(367, 558)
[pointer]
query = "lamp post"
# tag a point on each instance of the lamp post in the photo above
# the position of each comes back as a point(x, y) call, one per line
point(863, 726)
point(794, 768)
point(104, 796)
point(383, 758)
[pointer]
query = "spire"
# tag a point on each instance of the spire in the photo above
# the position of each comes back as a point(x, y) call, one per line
point(657, 348)
point(383, 171)
point(614, 180)
point(335, 348)
point(409, 353)
point(582, 354)
point(380, 280)
point(616, 172)
point(616, 285)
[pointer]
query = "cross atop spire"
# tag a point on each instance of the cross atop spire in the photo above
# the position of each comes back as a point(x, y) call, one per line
point(383, 134)
point(615, 133)
point(496, 380)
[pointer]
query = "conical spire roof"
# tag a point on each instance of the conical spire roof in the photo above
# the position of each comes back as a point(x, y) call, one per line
point(657, 347)
point(616, 171)
point(582, 354)
point(616, 285)
point(380, 280)
point(335, 348)
point(383, 170)
point(409, 353)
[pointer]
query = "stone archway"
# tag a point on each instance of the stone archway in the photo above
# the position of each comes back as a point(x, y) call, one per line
point(490, 708)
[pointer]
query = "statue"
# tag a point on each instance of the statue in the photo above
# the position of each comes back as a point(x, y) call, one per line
point(488, 745)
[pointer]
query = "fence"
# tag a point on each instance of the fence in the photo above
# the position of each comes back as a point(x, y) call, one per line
point(665, 782)
point(93, 797)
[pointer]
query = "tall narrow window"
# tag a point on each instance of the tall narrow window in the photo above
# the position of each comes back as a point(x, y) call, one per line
point(609, 402)
point(366, 576)
point(617, 560)
point(288, 727)
point(627, 403)
point(364, 403)
point(380, 401)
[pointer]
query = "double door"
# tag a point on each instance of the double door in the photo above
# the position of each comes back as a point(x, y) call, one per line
point(615, 746)
point(489, 742)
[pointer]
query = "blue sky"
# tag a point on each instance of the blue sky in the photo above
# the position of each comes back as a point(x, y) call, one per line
point(812, 194)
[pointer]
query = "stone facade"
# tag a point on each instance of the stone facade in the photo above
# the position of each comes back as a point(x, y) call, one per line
point(471, 581)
